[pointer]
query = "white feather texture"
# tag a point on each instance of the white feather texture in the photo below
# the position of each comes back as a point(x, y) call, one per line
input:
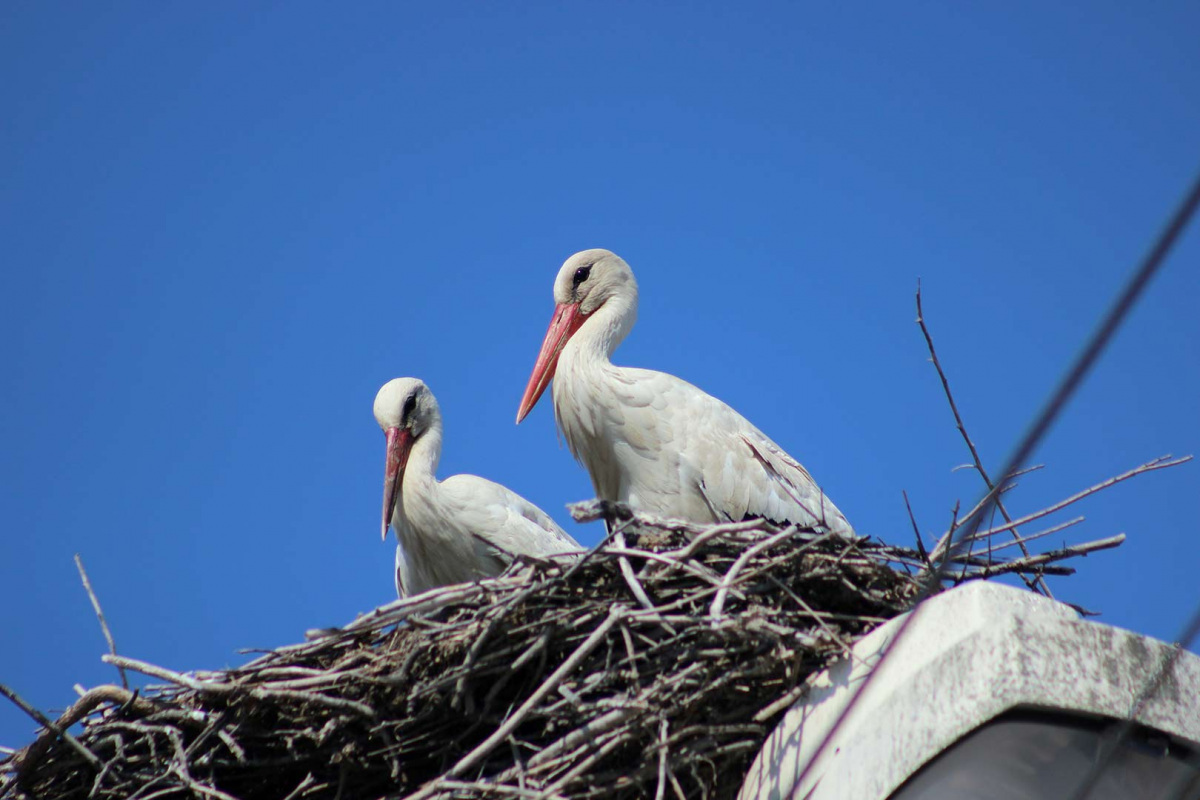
point(463, 528)
point(657, 442)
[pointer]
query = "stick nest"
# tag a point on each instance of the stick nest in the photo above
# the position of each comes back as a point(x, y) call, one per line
point(654, 666)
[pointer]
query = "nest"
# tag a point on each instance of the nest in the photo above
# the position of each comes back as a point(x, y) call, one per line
point(654, 666)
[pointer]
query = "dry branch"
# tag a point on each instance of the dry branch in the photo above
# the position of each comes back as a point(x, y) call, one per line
point(108, 637)
point(1037, 583)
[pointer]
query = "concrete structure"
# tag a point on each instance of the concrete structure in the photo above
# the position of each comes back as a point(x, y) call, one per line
point(1030, 685)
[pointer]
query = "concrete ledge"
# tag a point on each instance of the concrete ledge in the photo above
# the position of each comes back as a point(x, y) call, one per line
point(971, 654)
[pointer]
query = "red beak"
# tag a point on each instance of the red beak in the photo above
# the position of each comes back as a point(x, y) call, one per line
point(567, 319)
point(399, 443)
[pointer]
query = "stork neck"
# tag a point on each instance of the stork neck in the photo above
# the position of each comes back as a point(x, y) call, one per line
point(598, 338)
point(420, 474)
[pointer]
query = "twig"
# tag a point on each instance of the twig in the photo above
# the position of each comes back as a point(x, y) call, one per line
point(784, 701)
point(671, 561)
point(53, 727)
point(639, 592)
point(603, 544)
point(211, 687)
point(940, 545)
point(1037, 583)
point(614, 741)
point(1043, 533)
point(78, 710)
point(1025, 564)
point(916, 530)
point(662, 760)
point(718, 603)
point(1162, 462)
point(308, 781)
point(87, 585)
point(487, 788)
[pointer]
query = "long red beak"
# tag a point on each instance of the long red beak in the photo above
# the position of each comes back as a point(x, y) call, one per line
point(567, 319)
point(399, 443)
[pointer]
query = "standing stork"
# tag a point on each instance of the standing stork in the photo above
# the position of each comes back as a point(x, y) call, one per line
point(647, 438)
point(457, 530)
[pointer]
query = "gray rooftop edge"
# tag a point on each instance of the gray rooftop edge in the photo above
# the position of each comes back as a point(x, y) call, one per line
point(972, 653)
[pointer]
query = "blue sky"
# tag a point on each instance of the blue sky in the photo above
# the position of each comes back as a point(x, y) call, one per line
point(225, 226)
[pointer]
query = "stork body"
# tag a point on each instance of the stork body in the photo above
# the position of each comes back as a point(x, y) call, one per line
point(650, 439)
point(461, 529)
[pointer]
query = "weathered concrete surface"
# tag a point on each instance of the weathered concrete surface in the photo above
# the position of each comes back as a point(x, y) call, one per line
point(971, 654)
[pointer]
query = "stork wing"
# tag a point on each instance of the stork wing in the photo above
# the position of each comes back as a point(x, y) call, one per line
point(501, 522)
point(683, 441)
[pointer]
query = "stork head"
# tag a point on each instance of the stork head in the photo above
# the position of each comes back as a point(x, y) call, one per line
point(587, 280)
point(405, 409)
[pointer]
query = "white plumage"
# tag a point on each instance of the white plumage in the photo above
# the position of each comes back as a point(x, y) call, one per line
point(457, 530)
point(648, 438)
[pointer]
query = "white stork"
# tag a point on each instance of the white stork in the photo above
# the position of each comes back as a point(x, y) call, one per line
point(457, 530)
point(649, 439)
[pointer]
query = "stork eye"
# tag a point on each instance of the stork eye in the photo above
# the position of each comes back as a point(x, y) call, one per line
point(581, 274)
point(409, 405)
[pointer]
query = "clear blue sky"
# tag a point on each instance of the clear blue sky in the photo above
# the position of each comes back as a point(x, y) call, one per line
point(225, 226)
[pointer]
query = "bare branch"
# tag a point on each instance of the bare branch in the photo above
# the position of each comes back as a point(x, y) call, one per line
point(1026, 564)
point(1038, 583)
point(1162, 462)
point(53, 727)
point(112, 645)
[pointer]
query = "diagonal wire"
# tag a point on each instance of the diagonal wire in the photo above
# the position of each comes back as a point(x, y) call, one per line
point(1083, 363)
